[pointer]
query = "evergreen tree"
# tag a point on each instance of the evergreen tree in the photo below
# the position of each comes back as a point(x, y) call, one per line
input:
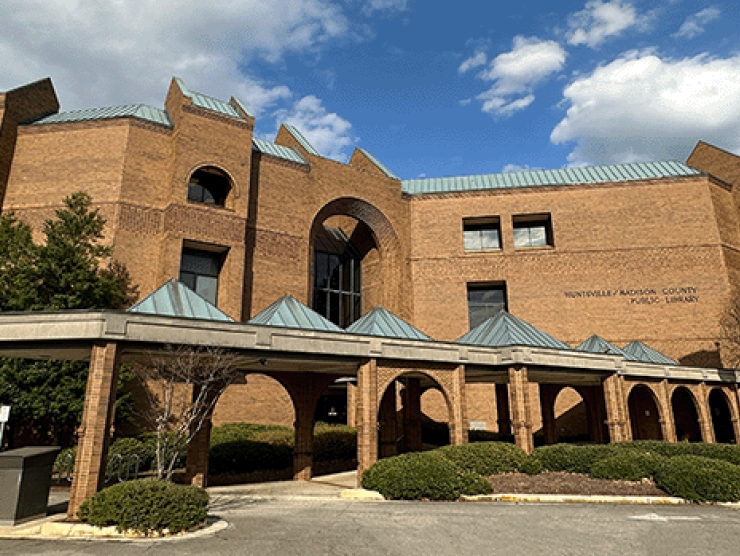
point(65, 272)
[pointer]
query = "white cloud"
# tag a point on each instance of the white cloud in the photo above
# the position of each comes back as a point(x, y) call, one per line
point(124, 51)
point(694, 24)
point(328, 132)
point(478, 59)
point(517, 72)
point(600, 20)
point(642, 107)
point(372, 6)
point(519, 168)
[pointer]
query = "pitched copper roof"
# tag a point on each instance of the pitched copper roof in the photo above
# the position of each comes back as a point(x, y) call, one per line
point(381, 322)
point(288, 312)
point(506, 330)
point(175, 299)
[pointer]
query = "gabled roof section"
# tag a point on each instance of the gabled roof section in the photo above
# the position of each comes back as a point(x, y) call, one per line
point(382, 167)
point(209, 103)
point(506, 330)
point(544, 178)
point(175, 299)
point(139, 111)
point(381, 322)
point(597, 344)
point(278, 151)
point(298, 136)
point(646, 354)
point(288, 312)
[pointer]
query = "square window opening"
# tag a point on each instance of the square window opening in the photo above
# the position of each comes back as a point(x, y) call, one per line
point(532, 231)
point(482, 234)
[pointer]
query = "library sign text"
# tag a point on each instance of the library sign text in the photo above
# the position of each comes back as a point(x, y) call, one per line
point(641, 296)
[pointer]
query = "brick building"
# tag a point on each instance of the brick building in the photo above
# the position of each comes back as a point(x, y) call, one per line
point(628, 252)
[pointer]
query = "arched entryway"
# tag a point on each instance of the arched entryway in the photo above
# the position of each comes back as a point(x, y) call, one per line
point(355, 262)
point(571, 416)
point(685, 415)
point(644, 414)
point(721, 417)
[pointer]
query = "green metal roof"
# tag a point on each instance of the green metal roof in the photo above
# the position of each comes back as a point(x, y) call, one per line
point(278, 151)
point(646, 354)
point(382, 167)
point(301, 139)
point(543, 178)
point(381, 322)
point(175, 299)
point(140, 111)
point(506, 330)
point(209, 103)
point(288, 312)
point(597, 344)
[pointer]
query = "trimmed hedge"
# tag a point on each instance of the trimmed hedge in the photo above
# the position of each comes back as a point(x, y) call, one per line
point(146, 506)
point(486, 458)
point(699, 479)
point(243, 456)
point(425, 475)
point(630, 465)
point(570, 458)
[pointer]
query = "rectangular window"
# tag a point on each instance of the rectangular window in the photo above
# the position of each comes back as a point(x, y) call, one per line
point(532, 230)
point(482, 234)
point(199, 271)
point(485, 301)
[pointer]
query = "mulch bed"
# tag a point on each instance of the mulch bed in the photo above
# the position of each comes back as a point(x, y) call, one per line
point(570, 483)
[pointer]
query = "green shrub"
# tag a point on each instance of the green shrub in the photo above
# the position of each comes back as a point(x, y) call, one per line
point(334, 442)
point(531, 466)
point(243, 456)
point(122, 453)
point(699, 479)
point(629, 465)
point(241, 431)
point(427, 475)
point(146, 506)
point(65, 461)
point(486, 458)
point(277, 437)
point(570, 458)
point(486, 436)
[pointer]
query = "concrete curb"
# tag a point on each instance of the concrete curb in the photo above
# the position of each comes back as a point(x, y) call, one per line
point(361, 494)
point(577, 499)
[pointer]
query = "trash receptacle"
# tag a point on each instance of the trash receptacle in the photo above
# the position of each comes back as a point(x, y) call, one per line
point(25, 479)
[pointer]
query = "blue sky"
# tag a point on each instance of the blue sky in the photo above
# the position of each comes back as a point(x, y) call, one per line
point(431, 88)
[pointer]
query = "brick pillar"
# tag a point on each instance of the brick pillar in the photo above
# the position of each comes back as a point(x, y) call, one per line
point(548, 394)
point(387, 420)
point(459, 424)
point(196, 462)
point(735, 417)
point(667, 422)
point(94, 431)
point(351, 405)
point(412, 415)
point(502, 410)
point(520, 402)
point(367, 416)
point(616, 409)
point(705, 415)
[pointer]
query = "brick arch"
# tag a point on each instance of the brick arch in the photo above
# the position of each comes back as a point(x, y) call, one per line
point(386, 240)
point(724, 424)
point(688, 427)
point(642, 397)
point(234, 189)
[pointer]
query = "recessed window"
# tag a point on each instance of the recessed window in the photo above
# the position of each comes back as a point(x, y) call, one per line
point(210, 186)
point(482, 234)
point(485, 301)
point(337, 290)
point(532, 230)
point(199, 271)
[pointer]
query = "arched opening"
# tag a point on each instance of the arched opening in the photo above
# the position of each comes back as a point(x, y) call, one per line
point(258, 399)
point(353, 249)
point(685, 416)
point(644, 414)
point(571, 417)
point(210, 186)
point(721, 417)
point(434, 414)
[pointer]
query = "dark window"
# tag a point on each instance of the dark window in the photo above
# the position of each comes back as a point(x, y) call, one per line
point(337, 292)
point(199, 271)
point(481, 234)
point(532, 230)
point(209, 186)
point(485, 301)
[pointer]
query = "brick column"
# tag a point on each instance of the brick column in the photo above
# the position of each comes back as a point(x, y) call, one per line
point(548, 394)
point(351, 405)
point(705, 415)
point(367, 416)
point(459, 424)
point(412, 415)
point(502, 410)
point(667, 422)
point(616, 409)
point(735, 417)
point(521, 408)
point(196, 462)
point(388, 421)
point(94, 431)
